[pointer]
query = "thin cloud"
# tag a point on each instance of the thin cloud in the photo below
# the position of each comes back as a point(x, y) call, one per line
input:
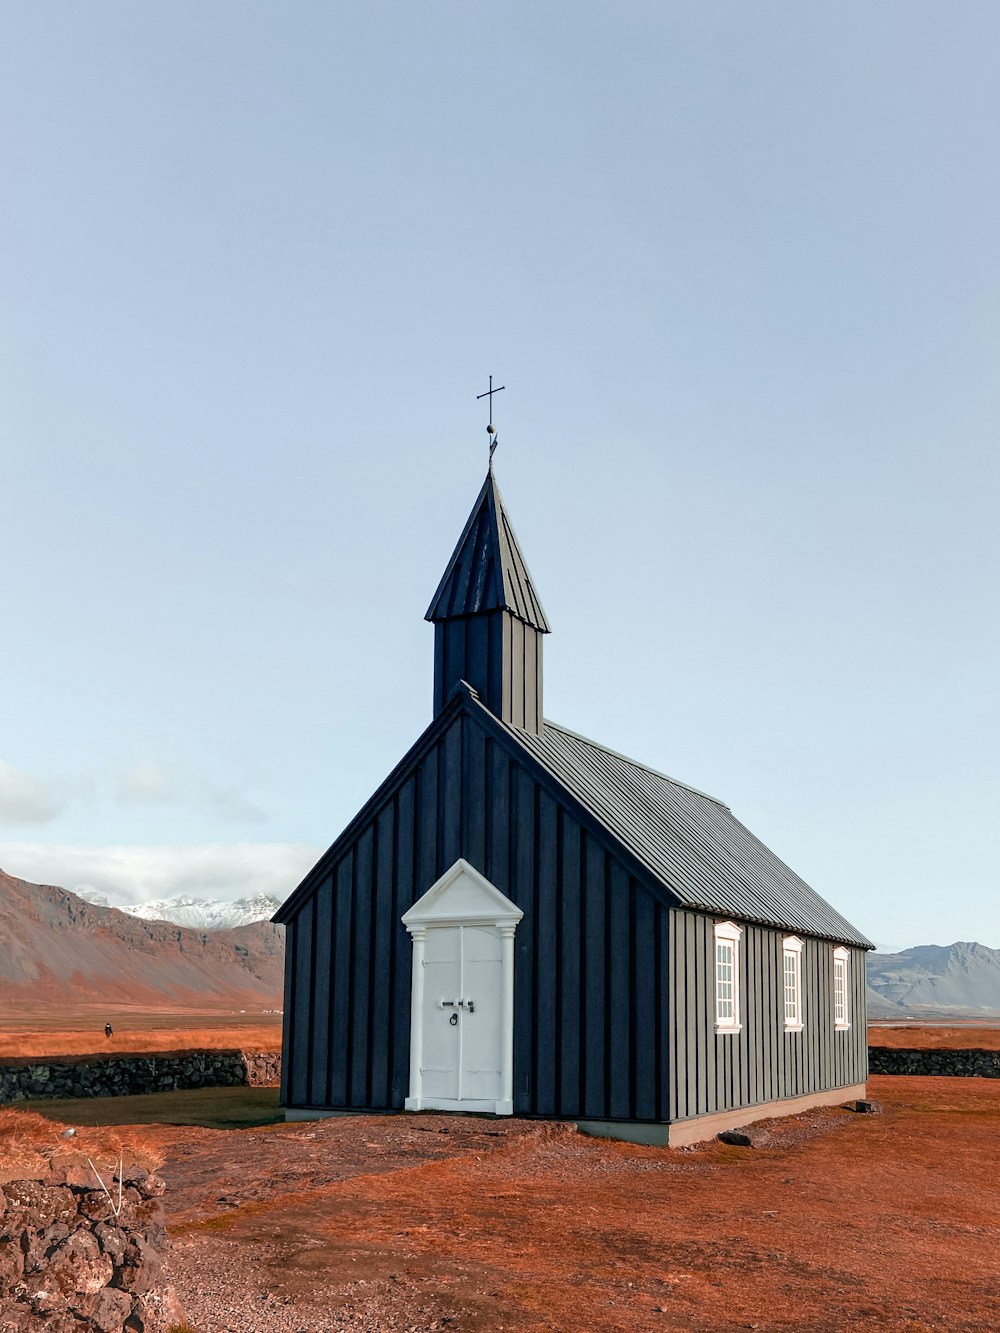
point(129, 874)
point(25, 799)
point(236, 806)
point(151, 782)
point(147, 783)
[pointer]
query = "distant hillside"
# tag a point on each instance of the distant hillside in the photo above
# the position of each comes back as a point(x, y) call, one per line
point(961, 979)
point(198, 913)
point(55, 948)
point(880, 1007)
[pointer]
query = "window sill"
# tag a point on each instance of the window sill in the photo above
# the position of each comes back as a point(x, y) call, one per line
point(795, 1027)
point(722, 1029)
point(841, 1027)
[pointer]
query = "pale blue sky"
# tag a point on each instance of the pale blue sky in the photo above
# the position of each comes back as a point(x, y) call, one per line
point(739, 268)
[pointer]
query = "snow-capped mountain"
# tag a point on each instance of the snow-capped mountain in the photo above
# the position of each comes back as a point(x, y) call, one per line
point(60, 951)
point(198, 913)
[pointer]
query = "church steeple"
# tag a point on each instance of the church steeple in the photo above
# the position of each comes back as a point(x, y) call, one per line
point(488, 620)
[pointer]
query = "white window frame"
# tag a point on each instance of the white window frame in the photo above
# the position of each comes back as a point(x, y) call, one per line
point(842, 963)
point(791, 950)
point(727, 933)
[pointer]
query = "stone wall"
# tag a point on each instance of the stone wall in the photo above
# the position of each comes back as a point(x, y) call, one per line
point(966, 1064)
point(72, 1258)
point(122, 1075)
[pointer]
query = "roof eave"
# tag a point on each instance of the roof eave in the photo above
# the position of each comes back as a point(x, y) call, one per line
point(300, 894)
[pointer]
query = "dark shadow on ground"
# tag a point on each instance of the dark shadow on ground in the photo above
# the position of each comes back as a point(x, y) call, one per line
point(213, 1108)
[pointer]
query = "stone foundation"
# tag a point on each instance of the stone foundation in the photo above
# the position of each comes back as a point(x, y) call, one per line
point(125, 1075)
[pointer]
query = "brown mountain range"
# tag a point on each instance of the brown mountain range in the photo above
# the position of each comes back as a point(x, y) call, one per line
point(58, 950)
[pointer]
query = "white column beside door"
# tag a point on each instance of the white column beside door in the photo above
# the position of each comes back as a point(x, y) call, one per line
point(419, 937)
point(505, 1106)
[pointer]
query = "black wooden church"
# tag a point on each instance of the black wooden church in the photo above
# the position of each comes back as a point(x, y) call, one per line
point(521, 921)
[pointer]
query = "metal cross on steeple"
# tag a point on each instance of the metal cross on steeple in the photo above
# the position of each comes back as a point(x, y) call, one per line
point(491, 429)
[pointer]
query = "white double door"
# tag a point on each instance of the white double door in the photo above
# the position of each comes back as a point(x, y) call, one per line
point(462, 996)
point(463, 1017)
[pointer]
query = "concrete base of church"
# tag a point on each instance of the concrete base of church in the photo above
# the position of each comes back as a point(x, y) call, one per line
point(653, 1133)
point(656, 1133)
point(696, 1130)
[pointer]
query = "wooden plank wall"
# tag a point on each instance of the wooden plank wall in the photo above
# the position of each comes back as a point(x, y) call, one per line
point(470, 648)
point(500, 657)
point(717, 1072)
point(591, 954)
point(521, 704)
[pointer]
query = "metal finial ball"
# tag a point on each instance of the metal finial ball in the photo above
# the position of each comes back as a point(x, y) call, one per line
point(491, 429)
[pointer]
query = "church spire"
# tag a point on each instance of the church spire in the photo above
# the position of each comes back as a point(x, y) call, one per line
point(488, 619)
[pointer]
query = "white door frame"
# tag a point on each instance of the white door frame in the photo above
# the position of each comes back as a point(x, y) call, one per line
point(462, 897)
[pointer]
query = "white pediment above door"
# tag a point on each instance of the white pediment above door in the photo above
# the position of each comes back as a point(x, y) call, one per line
point(462, 896)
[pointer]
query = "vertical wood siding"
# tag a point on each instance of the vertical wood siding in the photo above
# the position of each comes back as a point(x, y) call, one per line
point(592, 956)
point(522, 697)
point(614, 993)
point(721, 1071)
point(499, 656)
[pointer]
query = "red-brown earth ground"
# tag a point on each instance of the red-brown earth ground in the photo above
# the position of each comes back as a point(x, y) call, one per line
point(431, 1222)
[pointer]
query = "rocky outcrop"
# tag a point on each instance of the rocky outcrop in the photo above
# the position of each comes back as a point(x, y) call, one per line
point(78, 1255)
point(963, 1064)
point(120, 1076)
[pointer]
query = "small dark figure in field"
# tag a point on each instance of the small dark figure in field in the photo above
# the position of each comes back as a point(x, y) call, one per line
point(108, 1031)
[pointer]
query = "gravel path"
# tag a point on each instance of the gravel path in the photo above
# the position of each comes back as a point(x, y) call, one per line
point(240, 1261)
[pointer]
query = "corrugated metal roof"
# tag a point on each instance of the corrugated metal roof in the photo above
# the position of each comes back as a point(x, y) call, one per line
point(690, 842)
point(487, 571)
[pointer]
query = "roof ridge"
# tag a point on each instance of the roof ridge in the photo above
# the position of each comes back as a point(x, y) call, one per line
point(646, 768)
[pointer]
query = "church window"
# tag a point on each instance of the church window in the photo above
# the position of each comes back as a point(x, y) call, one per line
point(727, 977)
point(791, 953)
point(841, 1008)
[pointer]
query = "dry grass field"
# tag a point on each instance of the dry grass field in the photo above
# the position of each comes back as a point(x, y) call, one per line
point(29, 1142)
point(80, 1031)
point(52, 1032)
point(983, 1036)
